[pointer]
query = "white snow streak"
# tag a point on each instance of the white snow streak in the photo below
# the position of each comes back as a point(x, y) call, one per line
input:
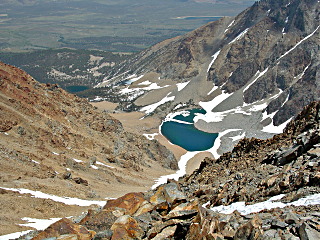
point(276, 129)
point(150, 108)
point(102, 164)
point(239, 36)
point(77, 160)
point(217, 142)
point(213, 89)
point(39, 224)
point(258, 75)
point(145, 83)
point(214, 57)
point(65, 200)
point(244, 209)
point(181, 86)
point(14, 235)
point(208, 106)
point(307, 37)
point(150, 136)
point(229, 26)
point(181, 172)
point(236, 138)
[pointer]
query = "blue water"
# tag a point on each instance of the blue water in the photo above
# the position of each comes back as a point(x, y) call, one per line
point(186, 135)
point(74, 89)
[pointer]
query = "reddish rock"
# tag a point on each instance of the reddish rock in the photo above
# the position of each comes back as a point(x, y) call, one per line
point(99, 221)
point(63, 227)
point(131, 202)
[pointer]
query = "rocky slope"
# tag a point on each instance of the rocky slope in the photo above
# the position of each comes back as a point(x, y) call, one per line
point(277, 179)
point(56, 143)
point(253, 72)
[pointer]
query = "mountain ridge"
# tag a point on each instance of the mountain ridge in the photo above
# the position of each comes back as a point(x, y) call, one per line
point(263, 63)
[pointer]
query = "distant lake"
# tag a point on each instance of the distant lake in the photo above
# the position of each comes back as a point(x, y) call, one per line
point(74, 89)
point(205, 19)
point(186, 135)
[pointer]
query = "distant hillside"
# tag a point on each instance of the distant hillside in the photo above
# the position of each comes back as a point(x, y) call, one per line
point(74, 70)
point(252, 73)
point(122, 25)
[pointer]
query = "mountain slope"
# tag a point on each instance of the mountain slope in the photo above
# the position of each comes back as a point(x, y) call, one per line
point(56, 143)
point(253, 72)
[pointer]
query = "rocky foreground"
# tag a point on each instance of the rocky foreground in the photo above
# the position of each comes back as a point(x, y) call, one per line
point(255, 171)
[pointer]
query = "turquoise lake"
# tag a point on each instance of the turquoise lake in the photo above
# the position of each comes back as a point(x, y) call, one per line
point(186, 135)
point(74, 89)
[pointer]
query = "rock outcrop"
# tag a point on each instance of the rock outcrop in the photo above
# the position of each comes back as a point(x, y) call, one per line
point(282, 171)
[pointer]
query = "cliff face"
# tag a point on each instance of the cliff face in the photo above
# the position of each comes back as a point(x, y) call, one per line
point(54, 142)
point(263, 63)
point(273, 185)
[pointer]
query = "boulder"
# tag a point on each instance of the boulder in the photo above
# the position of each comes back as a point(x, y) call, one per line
point(65, 227)
point(102, 220)
point(103, 235)
point(166, 233)
point(126, 227)
point(308, 233)
point(131, 202)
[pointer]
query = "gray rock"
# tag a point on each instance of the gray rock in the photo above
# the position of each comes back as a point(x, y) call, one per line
point(173, 194)
point(104, 235)
point(307, 233)
point(21, 131)
point(291, 218)
point(278, 224)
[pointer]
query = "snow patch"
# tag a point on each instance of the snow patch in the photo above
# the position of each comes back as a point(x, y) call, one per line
point(213, 89)
point(145, 83)
point(181, 172)
point(301, 41)
point(150, 108)
point(94, 167)
point(244, 209)
point(229, 26)
point(77, 160)
point(239, 137)
point(150, 136)
point(14, 235)
point(239, 36)
point(217, 142)
point(258, 75)
point(214, 57)
point(65, 200)
point(276, 129)
point(102, 164)
point(208, 106)
point(39, 224)
point(181, 86)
